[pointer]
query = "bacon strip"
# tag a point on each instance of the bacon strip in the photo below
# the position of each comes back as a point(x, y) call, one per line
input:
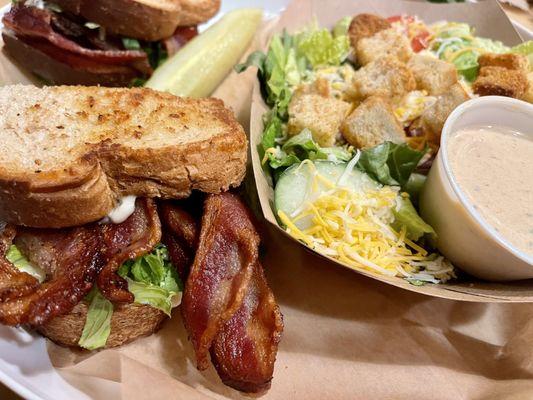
point(228, 309)
point(35, 22)
point(180, 236)
point(73, 260)
point(244, 351)
point(136, 236)
point(13, 283)
point(180, 38)
point(75, 264)
point(221, 272)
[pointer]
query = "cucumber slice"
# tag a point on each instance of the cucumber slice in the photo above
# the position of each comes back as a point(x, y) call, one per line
point(294, 186)
point(199, 67)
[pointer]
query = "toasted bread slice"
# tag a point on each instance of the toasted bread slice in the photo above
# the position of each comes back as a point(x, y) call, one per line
point(149, 20)
point(70, 152)
point(129, 322)
point(194, 12)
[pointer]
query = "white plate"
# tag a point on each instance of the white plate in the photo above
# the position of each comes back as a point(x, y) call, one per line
point(24, 364)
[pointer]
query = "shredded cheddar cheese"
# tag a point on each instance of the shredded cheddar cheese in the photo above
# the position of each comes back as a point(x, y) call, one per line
point(354, 227)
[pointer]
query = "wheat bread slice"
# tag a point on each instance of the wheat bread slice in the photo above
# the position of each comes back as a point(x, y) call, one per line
point(194, 12)
point(128, 322)
point(149, 20)
point(69, 153)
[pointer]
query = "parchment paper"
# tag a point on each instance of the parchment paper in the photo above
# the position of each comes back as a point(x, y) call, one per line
point(346, 336)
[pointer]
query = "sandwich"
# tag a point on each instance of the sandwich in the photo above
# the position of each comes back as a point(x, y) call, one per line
point(102, 42)
point(115, 208)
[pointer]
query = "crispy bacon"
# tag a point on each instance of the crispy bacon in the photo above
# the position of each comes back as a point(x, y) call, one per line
point(32, 22)
point(136, 236)
point(180, 236)
point(180, 38)
point(228, 309)
point(244, 351)
point(13, 283)
point(72, 262)
point(221, 272)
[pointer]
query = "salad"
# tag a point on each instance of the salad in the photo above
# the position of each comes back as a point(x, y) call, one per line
point(353, 125)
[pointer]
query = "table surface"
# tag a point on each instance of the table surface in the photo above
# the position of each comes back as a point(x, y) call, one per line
point(521, 16)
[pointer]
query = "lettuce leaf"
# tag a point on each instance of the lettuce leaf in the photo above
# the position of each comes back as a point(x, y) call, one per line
point(341, 27)
point(526, 49)
point(152, 279)
point(15, 257)
point(407, 216)
point(302, 147)
point(279, 70)
point(98, 323)
point(321, 48)
point(390, 163)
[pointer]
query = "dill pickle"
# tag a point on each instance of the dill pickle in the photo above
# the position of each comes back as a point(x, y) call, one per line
point(201, 65)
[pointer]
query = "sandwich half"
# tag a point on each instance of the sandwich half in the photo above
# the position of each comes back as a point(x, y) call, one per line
point(100, 42)
point(114, 205)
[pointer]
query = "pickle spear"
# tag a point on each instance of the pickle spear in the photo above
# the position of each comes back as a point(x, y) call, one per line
point(201, 65)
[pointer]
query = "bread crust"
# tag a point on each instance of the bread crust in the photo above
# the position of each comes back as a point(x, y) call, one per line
point(118, 158)
point(58, 73)
point(140, 19)
point(129, 322)
point(194, 12)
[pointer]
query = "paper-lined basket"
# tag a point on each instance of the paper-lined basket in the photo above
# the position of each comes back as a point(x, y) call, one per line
point(489, 21)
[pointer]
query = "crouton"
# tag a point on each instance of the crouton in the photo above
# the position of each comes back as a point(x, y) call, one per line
point(528, 96)
point(320, 86)
point(433, 119)
point(517, 62)
point(431, 74)
point(499, 81)
point(372, 123)
point(322, 116)
point(384, 43)
point(366, 25)
point(386, 77)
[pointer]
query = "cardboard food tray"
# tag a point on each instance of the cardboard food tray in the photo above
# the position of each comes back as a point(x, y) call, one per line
point(489, 21)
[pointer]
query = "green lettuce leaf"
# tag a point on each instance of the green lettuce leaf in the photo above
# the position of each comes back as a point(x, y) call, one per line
point(15, 257)
point(407, 216)
point(390, 163)
point(526, 49)
point(152, 279)
point(341, 27)
point(155, 296)
point(321, 48)
point(98, 323)
point(489, 45)
point(302, 147)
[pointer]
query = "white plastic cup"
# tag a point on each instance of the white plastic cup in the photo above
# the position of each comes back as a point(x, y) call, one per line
point(463, 237)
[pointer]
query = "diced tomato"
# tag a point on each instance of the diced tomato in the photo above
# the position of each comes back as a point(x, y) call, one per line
point(404, 19)
point(420, 41)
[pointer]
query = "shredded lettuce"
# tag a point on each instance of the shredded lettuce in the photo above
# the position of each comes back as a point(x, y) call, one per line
point(407, 216)
point(98, 323)
point(152, 280)
point(15, 257)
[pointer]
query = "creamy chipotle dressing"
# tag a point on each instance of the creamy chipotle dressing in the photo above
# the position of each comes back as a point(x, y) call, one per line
point(493, 167)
